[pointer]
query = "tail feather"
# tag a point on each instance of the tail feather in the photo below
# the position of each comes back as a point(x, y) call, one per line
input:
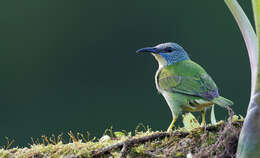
point(221, 101)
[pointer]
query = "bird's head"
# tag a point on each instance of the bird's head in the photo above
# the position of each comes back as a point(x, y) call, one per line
point(166, 53)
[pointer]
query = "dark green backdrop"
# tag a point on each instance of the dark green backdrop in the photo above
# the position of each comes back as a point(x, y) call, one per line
point(71, 65)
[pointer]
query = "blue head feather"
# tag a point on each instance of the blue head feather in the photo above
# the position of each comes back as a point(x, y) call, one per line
point(171, 52)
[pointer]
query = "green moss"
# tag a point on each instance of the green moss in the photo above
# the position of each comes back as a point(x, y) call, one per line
point(181, 142)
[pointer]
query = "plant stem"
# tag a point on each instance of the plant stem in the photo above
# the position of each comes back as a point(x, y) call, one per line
point(249, 139)
point(256, 9)
point(248, 35)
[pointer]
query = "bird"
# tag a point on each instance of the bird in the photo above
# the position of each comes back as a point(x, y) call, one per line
point(184, 84)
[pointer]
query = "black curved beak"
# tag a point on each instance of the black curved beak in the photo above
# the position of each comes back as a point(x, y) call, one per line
point(148, 50)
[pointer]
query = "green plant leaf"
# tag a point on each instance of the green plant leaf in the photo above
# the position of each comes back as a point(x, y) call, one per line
point(248, 35)
point(212, 116)
point(256, 9)
point(119, 134)
point(190, 122)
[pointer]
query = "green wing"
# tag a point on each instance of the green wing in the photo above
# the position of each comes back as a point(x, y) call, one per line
point(189, 79)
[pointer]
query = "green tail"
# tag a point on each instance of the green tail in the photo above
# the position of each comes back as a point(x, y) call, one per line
point(221, 101)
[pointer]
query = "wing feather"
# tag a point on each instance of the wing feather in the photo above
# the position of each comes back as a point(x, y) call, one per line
point(200, 84)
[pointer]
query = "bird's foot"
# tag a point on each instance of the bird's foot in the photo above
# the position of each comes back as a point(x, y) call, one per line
point(169, 130)
point(171, 125)
point(204, 126)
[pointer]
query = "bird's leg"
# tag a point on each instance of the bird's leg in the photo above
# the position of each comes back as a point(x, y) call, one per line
point(172, 123)
point(203, 112)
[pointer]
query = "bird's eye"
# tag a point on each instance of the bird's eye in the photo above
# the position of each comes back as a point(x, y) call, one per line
point(168, 49)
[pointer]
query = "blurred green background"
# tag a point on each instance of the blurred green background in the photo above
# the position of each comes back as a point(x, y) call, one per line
point(71, 65)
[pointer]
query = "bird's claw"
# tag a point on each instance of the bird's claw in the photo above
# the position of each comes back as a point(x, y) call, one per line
point(169, 130)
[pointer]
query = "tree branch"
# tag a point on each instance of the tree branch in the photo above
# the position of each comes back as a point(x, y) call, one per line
point(125, 145)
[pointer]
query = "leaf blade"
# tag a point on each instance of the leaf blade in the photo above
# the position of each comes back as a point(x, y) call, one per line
point(248, 35)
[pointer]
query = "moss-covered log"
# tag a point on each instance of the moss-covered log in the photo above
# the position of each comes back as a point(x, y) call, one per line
point(218, 140)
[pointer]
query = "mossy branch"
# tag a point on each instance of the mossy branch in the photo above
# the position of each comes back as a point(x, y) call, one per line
point(129, 143)
point(214, 141)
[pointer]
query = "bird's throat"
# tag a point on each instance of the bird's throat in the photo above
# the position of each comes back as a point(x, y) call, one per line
point(161, 61)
